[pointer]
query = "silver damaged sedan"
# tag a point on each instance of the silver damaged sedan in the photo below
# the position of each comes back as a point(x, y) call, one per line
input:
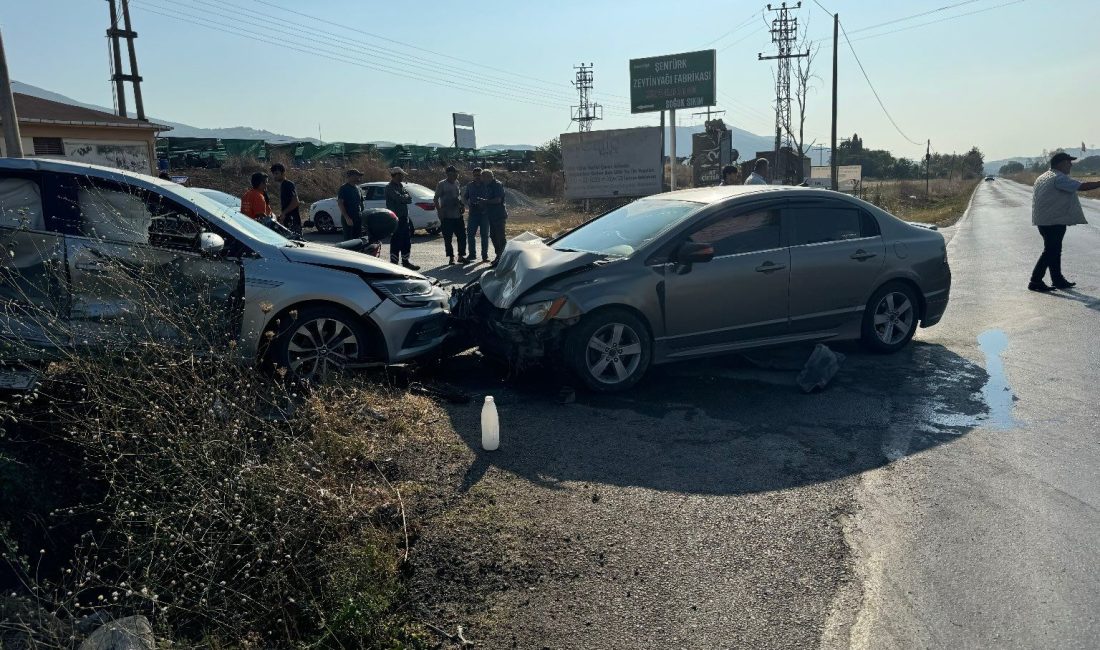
point(707, 271)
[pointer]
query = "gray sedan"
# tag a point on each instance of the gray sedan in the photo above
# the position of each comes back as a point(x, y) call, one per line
point(708, 271)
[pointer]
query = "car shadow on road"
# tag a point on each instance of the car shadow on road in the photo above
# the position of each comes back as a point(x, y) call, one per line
point(723, 426)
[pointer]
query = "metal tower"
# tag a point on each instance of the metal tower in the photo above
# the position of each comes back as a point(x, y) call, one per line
point(587, 111)
point(784, 31)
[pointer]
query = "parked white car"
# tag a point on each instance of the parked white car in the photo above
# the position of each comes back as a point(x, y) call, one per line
point(325, 214)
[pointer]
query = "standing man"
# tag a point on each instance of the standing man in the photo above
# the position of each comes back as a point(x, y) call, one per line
point(475, 193)
point(397, 201)
point(1054, 206)
point(729, 176)
point(350, 200)
point(495, 211)
point(289, 214)
point(448, 204)
point(254, 201)
point(759, 173)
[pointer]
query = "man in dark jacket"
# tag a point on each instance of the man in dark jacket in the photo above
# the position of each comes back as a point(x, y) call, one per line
point(289, 213)
point(473, 196)
point(397, 201)
point(495, 212)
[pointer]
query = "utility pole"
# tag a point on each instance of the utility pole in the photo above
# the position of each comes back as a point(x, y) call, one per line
point(784, 31)
point(114, 33)
point(820, 148)
point(928, 171)
point(586, 111)
point(710, 111)
point(836, 48)
point(672, 143)
point(13, 145)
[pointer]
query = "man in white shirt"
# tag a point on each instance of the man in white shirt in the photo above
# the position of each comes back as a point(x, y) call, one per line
point(1054, 206)
point(759, 173)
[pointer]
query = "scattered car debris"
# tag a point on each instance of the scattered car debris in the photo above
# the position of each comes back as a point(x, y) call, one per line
point(820, 368)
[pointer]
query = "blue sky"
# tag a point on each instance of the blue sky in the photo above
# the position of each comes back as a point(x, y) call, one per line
point(988, 79)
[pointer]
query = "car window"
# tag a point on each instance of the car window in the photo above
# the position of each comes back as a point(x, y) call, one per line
point(814, 225)
point(370, 193)
point(21, 204)
point(868, 226)
point(117, 213)
point(625, 230)
point(744, 233)
point(174, 226)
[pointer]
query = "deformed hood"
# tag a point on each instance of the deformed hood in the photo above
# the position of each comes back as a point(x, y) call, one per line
point(525, 262)
point(331, 256)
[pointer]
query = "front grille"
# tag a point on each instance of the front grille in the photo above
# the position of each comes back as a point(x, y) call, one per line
point(425, 331)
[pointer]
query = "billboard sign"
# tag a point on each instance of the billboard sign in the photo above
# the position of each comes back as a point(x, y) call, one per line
point(464, 131)
point(848, 177)
point(674, 81)
point(710, 151)
point(607, 164)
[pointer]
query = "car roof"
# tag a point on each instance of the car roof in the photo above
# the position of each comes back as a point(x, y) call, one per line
point(707, 195)
point(71, 167)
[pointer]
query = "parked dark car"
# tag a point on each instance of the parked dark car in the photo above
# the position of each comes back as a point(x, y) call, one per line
point(707, 271)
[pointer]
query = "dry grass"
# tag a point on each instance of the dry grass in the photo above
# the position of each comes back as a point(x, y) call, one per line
point(943, 205)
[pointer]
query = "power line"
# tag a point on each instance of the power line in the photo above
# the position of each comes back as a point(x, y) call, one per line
point(872, 87)
point(933, 22)
point(918, 15)
point(430, 67)
point(340, 58)
point(736, 29)
point(407, 45)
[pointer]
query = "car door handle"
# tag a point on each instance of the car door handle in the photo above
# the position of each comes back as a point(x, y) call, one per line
point(770, 267)
point(862, 255)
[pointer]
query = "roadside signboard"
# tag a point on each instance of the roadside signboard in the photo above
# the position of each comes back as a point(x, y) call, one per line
point(612, 163)
point(671, 82)
point(848, 177)
point(465, 138)
point(710, 151)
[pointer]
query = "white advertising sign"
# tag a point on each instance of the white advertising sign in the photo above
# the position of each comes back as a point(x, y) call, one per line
point(618, 162)
point(848, 177)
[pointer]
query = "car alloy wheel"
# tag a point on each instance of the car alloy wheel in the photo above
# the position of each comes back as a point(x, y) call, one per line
point(894, 318)
point(321, 348)
point(613, 354)
point(323, 222)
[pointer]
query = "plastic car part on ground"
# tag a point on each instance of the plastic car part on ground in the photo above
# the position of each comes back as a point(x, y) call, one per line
point(820, 368)
point(525, 262)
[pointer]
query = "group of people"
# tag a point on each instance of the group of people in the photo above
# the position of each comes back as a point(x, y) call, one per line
point(256, 204)
point(484, 196)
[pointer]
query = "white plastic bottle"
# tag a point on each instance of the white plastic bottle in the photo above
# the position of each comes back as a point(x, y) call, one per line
point(490, 425)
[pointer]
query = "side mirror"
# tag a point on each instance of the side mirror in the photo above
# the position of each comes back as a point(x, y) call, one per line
point(692, 253)
point(211, 244)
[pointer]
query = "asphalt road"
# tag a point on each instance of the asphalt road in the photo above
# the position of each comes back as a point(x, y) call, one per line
point(942, 497)
point(993, 539)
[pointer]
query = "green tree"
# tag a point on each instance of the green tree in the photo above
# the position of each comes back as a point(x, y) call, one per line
point(973, 163)
point(1011, 167)
point(548, 156)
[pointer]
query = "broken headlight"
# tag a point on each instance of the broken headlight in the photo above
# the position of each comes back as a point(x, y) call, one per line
point(536, 313)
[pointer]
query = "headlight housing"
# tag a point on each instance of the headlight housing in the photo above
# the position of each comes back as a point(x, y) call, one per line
point(406, 292)
point(536, 313)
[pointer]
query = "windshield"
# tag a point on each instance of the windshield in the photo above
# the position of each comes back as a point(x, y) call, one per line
point(239, 222)
point(623, 231)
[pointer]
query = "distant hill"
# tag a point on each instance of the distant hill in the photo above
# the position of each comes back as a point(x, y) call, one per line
point(993, 166)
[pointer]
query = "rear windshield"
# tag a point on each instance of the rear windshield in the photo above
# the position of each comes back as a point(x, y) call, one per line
point(623, 231)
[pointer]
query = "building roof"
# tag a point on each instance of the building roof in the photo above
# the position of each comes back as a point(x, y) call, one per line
point(35, 110)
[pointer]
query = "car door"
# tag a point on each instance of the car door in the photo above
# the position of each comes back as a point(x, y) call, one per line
point(738, 296)
point(34, 290)
point(837, 254)
point(136, 269)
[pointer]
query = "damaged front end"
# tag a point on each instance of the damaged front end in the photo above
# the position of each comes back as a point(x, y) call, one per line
point(510, 314)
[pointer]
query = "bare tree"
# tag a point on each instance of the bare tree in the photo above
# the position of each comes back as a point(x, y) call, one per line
point(804, 82)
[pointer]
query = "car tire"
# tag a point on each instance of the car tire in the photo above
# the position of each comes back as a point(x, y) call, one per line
point(324, 223)
point(890, 319)
point(609, 350)
point(317, 343)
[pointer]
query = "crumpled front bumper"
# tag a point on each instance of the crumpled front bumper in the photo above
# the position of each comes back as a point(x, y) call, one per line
point(477, 323)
